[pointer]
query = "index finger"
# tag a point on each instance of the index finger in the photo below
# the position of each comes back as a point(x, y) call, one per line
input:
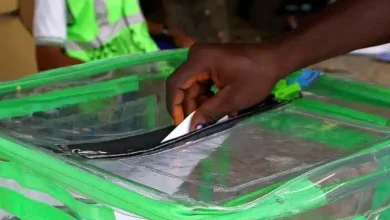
point(182, 78)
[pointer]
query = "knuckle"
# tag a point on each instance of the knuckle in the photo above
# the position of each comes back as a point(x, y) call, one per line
point(209, 115)
point(170, 83)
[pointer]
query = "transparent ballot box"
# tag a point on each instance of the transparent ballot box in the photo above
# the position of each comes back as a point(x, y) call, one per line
point(85, 142)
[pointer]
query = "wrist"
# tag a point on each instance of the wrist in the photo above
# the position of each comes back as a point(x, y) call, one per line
point(280, 60)
point(289, 57)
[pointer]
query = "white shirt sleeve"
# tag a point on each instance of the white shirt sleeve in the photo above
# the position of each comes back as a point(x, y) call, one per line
point(49, 25)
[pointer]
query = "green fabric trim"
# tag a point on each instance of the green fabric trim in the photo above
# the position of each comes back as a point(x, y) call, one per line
point(65, 97)
point(96, 184)
point(260, 192)
point(314, 106)
point(108, 193)
point(105, 192)
point(330, 134)
point(347, 90)
point(379, 175)
point(240, 200)
point(383, 144)
point(87, 184)
point(86, 70)
point(28, 209)
point(359, 218)
point(31, 181)
point(302, 190)
point(359, 179)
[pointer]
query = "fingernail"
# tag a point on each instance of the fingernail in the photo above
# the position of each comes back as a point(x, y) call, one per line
point(199, 126)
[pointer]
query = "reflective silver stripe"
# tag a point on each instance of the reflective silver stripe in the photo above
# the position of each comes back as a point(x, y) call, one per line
point(101, 13)
point(121, 216)
point(6, 216)
point(32, 194)
point(106, 30)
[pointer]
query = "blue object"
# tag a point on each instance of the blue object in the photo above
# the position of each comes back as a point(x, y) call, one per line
point(164, 42)
point(306, 78)
point(385, 57)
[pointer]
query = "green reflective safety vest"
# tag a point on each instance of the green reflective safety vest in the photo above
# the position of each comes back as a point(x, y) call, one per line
point(100, 29)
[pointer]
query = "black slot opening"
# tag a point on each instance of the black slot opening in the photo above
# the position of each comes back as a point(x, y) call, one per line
point(131, 144)
point(151, 141)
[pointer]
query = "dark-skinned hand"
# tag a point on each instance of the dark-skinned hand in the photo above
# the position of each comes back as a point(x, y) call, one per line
point(243, 74)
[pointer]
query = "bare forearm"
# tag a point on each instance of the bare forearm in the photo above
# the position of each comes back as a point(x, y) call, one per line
point(49, 57)
point(57, 62)
point(345, 26)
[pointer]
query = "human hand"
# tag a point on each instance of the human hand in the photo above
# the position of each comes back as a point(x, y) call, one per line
point(244, 75)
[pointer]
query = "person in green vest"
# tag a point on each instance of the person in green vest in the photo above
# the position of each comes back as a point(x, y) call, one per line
point(69, 32)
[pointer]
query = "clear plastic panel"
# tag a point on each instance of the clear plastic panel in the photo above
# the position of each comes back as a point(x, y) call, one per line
point(356, 188)
point(264, 160)
point(100, 118)
point(362, 107)
point(259, 152)
point(29, 195)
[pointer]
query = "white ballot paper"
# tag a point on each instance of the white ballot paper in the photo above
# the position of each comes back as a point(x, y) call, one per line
point(184, 128)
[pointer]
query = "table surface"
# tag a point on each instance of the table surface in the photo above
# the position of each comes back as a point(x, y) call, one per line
point(359, 67)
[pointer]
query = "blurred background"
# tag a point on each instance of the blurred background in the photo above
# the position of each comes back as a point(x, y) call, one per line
point(204, 20)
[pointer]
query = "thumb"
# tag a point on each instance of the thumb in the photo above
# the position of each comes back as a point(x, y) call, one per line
point(213, 109)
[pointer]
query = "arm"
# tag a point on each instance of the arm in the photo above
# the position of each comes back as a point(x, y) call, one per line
point(52, 57)
point(245, 74)
point(49, 29)
point(345, 26)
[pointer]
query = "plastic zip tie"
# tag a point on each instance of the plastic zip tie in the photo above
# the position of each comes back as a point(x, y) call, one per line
point(288, 93)
point(307, 77)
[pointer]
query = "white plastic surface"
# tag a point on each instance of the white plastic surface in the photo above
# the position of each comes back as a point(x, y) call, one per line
point(372, 51)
